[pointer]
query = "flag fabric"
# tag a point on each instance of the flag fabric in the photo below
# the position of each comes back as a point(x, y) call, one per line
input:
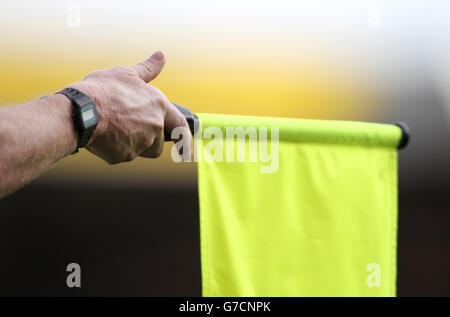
point(323, 222)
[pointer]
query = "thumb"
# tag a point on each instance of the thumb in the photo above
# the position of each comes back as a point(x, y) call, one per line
point(151, 67)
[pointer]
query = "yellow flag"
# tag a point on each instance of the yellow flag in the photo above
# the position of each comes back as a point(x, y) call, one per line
point(321, 221)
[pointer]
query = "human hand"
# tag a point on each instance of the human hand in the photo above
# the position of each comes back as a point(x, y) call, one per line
point(132, 114)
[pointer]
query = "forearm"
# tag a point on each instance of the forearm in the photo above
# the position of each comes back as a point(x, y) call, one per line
point(32, 137)
point(131, 119)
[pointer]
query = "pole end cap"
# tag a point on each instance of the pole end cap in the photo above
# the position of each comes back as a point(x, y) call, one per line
point(405, 135)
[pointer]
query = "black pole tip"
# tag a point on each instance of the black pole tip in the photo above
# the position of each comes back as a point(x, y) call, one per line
point(405, 135)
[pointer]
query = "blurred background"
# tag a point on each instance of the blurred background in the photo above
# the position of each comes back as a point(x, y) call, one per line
point(133, 227)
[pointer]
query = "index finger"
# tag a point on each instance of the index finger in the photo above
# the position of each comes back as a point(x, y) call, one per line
point(173, 119)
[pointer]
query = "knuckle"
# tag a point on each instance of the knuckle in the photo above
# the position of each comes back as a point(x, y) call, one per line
point(147, 68)
point(160, 102)
point(156, 92)
point(120, 157)
point(158, 125)
point(182, 122)
point(128, 157)
point(147, 141)
point(155, 153)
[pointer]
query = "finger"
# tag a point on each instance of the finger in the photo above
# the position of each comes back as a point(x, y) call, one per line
point(156, 148)
point(151, 67)
point(174, 118)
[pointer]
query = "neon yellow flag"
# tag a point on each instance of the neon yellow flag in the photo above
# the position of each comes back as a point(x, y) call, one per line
point(322, 221)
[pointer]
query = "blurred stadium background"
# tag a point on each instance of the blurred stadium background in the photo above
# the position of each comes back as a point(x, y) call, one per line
point(133, 228)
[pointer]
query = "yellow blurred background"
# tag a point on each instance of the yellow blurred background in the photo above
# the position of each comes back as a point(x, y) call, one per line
point(262, 58)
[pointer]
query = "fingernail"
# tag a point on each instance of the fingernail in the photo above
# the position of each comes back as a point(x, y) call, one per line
point(158, 56)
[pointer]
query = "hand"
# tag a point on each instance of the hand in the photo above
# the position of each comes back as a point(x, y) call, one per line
point(132, 114)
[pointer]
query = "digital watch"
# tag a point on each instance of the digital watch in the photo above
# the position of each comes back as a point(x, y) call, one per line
point(84, 114)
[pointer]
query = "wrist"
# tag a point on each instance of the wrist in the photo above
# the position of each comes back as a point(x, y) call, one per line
point(60, 109)
point(97, 95)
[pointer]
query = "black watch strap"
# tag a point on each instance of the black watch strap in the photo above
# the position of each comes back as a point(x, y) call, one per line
point(84, 113)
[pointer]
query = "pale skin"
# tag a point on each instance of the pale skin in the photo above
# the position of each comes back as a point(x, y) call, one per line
point(132, 118)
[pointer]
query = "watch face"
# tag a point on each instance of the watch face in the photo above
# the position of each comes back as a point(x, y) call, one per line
point(88, 116)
